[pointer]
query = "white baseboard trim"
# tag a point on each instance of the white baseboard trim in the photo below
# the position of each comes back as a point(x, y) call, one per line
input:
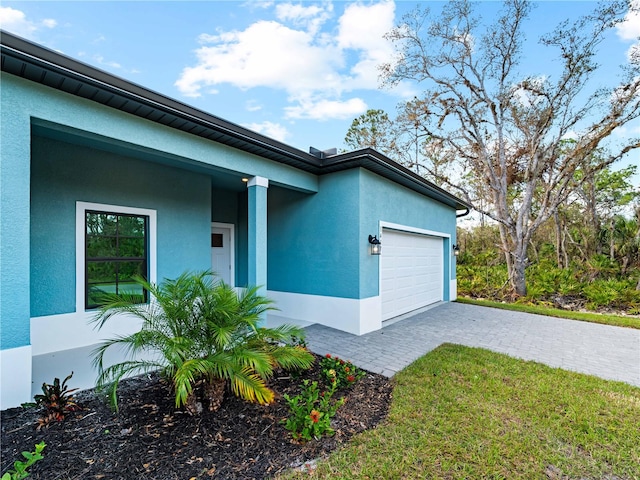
point(453, 290)
point(357, 316)
point(67, 331)
point(15, 376)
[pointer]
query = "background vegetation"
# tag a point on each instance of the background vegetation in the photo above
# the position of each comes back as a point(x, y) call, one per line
point(587, 256)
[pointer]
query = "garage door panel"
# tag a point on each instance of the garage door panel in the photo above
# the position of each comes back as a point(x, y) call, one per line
point(411, 272)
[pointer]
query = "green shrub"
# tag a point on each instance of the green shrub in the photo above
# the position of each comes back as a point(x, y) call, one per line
point(606, 293)
point(19, 470)
point(338, 371)
point(311, 411)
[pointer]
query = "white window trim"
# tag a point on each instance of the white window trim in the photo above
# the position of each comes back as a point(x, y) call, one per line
point(81, 208)
point(232, 245)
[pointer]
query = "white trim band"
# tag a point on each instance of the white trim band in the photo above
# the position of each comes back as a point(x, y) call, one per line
point(258, 181)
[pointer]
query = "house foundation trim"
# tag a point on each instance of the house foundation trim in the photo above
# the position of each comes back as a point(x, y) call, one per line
point(353, 315)
point(15, 371)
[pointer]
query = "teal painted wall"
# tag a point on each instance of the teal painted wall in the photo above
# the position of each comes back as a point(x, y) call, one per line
point(318, 244)
point(14, 222)
point(313, 240)
point(26, 104)
point(383, 200)
point(62, 174)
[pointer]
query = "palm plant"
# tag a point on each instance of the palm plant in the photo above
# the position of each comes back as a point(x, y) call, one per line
point(200, 333)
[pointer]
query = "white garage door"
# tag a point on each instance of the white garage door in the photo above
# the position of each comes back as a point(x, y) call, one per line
point(411, 270)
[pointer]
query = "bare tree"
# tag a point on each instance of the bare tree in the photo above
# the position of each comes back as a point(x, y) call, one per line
point(508, 130)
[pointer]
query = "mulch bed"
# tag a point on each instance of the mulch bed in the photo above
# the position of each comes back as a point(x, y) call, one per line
point(150, 439)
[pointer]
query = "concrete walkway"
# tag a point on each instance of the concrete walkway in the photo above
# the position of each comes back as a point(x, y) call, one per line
point(608, 352)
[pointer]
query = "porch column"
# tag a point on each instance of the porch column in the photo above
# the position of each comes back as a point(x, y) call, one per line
point(257, 229)
point(15, 168)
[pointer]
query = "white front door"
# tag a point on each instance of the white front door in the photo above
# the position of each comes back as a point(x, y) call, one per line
point(222, 253)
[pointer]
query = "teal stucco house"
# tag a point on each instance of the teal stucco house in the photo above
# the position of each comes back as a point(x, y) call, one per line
point(90, 161)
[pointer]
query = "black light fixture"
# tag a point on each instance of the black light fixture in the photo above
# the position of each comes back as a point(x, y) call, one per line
point(376, 246)
point(456, 250)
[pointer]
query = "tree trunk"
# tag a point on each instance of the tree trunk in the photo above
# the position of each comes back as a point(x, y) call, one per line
point(214, 392)
point(625, 265)
point(518, 279)
point(192, 405)
point(612, 240)
point(518, 263)
point(559, 243)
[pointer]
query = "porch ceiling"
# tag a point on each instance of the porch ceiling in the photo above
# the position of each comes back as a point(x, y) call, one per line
point(219, 178)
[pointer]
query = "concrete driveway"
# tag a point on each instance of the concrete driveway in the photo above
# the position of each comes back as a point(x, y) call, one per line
point(608, 352)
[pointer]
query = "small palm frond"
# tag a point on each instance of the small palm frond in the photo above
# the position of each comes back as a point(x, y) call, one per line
point(291, 357)
point(249, 386)
point(110, 377)
point(259, 361)
point(222, 365)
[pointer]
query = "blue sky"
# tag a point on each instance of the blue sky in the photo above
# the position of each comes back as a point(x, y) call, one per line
point(295, 71)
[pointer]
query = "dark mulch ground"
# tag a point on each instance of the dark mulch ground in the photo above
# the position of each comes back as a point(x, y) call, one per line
point(150, 439)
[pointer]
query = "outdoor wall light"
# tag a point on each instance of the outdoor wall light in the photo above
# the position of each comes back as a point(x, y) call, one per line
point(456, 250)
point(376, 246)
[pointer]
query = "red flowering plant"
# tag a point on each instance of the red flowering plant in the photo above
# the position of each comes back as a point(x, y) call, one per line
point(337, 371)
point(311, 412)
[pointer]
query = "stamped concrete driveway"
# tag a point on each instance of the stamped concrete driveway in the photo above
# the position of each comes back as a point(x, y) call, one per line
point(607, 352)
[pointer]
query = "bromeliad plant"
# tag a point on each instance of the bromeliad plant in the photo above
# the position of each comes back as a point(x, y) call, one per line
point(201, 334)
point(339, 372)
point(311, 411)
point(57, 401)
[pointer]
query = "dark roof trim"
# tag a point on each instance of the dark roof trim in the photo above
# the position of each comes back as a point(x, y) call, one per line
point(41, 65)
point(376, 162)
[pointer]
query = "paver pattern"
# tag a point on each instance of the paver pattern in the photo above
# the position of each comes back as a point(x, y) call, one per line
point(608, 352)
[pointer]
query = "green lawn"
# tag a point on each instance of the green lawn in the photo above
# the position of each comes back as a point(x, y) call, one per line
point(462, 412)
point(616, 320)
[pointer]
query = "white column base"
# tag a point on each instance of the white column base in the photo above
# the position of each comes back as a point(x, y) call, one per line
point(15, 377)
point(453, 290)
point(352, 315)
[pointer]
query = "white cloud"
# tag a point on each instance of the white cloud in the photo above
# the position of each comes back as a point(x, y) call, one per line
point(361, 28)
point(252, 106)
point(266, 54)
point(101, 61)
point(327, 109)
point(298, 54)
point(15, 21)
point(312, 18)
point(270, 129)
point(49, 23)
point(629, 29)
